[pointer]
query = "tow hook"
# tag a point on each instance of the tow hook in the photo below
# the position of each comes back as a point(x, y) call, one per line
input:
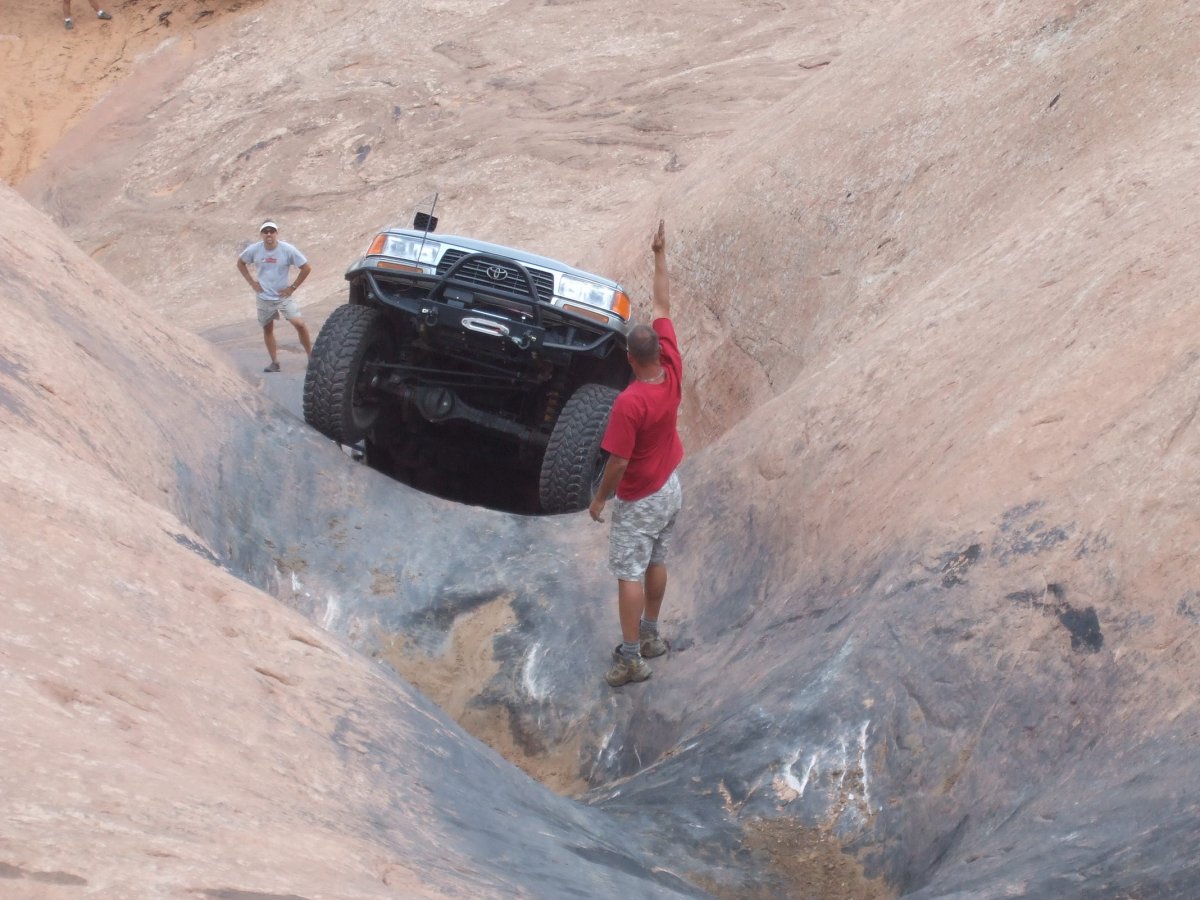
point(429, 314)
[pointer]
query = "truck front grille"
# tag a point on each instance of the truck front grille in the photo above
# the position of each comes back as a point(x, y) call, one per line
point(476, 272)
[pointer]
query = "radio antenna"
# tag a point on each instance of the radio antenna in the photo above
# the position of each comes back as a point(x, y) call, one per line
point(426, 222)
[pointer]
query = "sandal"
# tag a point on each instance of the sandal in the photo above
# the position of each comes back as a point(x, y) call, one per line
point(273, 367)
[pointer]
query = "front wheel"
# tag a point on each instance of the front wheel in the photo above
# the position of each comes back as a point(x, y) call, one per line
point(574, 462)
point(338, 400)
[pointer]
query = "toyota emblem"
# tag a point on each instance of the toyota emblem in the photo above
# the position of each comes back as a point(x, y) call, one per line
point(497, 273)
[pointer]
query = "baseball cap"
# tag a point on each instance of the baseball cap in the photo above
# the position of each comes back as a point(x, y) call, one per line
point(267, 224)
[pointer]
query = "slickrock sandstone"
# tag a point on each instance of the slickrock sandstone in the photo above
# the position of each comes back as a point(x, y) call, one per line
point(935, 598)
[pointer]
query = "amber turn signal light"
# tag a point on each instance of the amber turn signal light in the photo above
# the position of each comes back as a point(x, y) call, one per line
point(621, 305)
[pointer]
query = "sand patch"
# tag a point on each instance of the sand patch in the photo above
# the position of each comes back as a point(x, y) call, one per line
point(456, 680)
point(52, 76)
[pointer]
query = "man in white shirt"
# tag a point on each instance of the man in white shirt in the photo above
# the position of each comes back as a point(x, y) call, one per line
point(273, 260)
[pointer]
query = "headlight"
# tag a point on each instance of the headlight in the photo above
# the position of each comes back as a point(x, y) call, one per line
point(580, 291)
point(398, 246)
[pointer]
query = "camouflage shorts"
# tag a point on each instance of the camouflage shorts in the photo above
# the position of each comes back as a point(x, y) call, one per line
point(641, 531)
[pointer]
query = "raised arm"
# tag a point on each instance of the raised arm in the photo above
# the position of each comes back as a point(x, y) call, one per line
point(661, 299)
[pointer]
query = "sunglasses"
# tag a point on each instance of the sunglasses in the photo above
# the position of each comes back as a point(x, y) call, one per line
point(268, 231)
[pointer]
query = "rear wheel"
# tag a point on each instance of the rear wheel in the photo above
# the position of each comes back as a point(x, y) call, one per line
point(338, 399)
point(574, 462)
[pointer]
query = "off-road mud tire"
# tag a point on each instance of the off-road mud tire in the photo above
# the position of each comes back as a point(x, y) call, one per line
point(574, 461)
point(333, 399)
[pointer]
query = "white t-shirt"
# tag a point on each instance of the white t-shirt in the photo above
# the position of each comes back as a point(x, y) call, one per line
point(273, 266)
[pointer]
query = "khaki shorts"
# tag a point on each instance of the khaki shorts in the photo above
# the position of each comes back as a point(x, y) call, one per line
point(641, 531)
point(269, 309)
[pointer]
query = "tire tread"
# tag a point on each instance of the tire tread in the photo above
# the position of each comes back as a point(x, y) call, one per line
point(573, 450)
point(336, 360)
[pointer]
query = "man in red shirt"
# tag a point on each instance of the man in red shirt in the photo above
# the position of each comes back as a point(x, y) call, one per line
point(644, 450)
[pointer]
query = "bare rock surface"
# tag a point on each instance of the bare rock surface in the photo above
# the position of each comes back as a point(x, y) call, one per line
point(935, 600)
point(52, 76)
point(170, 730)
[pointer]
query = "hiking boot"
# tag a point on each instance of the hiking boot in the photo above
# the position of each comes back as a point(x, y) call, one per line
point(68, 24)
point(652, 645)
point(103, 15)
point(273, 367)
point(625, 670)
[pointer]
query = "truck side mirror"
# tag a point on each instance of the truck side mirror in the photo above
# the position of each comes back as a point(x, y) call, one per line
point(424, 222)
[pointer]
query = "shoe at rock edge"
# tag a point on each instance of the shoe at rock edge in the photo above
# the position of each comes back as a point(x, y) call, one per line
point(652, 645)
point(625, 670)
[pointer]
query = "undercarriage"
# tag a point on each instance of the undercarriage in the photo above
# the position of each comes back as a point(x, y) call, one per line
point(480, 393)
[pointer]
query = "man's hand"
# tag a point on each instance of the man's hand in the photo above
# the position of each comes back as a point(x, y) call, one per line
point(287, 291)
point(597, 508)
point(658, 243)
point(614, 471)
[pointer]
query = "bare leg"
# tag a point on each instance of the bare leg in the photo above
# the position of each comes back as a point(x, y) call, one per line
point(96, 5)
point(302, 331)
point(66, 9)
point(269, 339)
point(656, 589)
point(631, 600)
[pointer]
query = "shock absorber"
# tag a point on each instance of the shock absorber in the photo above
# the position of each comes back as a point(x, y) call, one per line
point(553, 402)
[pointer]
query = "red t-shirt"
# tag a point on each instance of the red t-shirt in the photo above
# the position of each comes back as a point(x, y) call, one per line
point(642, 427)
